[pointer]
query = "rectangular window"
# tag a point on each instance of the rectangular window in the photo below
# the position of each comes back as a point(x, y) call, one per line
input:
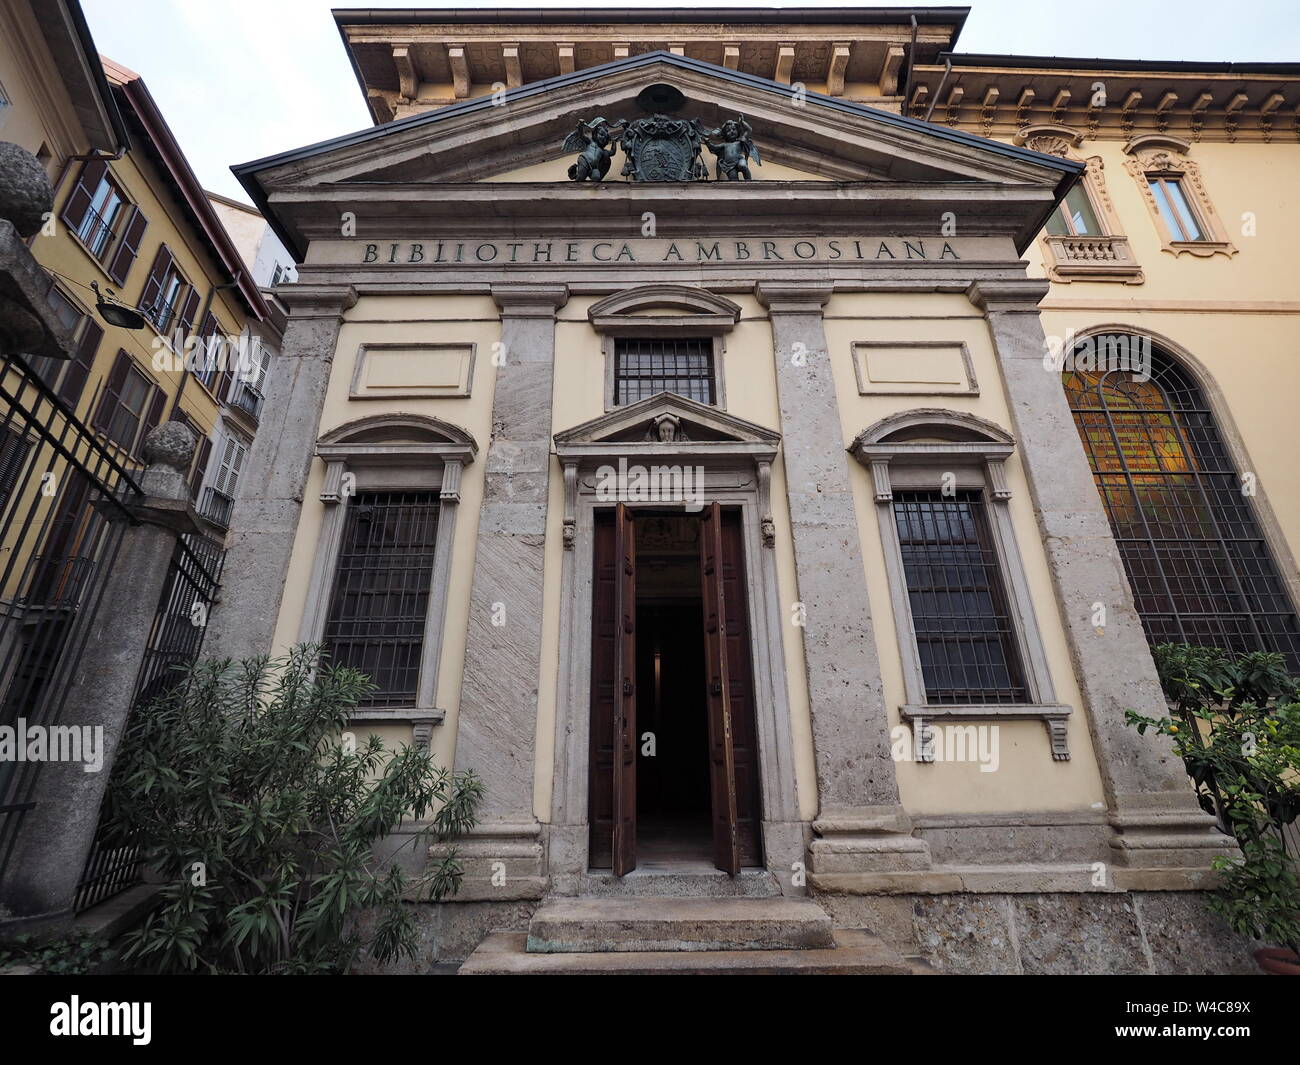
point(644, 368)
point(964, 635)
point(131, 404)
point(107, 206)
point(1174, 208)
point(1074, 216)
point(381, 591)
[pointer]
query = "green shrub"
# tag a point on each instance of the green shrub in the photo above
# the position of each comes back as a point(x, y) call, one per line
point(261, 813)
point(1235, 722)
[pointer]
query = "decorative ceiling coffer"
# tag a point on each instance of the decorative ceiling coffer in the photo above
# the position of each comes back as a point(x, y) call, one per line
point(661, 146)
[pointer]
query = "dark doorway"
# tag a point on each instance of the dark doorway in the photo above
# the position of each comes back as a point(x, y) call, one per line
point(674, 761)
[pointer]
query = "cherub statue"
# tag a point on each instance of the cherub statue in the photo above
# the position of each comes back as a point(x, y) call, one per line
point(735, 151)
point(597, 142)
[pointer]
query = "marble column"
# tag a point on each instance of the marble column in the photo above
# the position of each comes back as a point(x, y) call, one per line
point(497, 722)
point(265, 519)
point(861, 825)
point(1152, 810)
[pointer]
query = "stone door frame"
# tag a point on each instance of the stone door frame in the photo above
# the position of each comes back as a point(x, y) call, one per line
point(736, 477)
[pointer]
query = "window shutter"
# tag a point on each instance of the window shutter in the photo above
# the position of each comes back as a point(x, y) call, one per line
point(124, 257)
point(83, 192)
point(108, 400)
point(201, 463)
point(151, 418)
point(188, 310)
point(153, 286)
point(13, 457)
point(78, 371)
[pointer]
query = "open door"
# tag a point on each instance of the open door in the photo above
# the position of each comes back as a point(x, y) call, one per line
point(625, 740)
point(722, 755)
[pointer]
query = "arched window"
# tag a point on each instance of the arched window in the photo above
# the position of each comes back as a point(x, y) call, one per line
point(1200, 569)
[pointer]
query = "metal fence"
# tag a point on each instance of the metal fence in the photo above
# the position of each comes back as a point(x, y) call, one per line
point(174, 642)
point(64, 507)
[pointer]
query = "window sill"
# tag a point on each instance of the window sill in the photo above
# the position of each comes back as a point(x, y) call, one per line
point(1053, 715)
point(1203, 249)
point(421, 720)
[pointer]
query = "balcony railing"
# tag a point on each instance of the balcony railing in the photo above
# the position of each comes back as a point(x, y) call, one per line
point(1092, 258)
point(217, 507)
point(247, 398)
point(95, 233)
point(57, 581)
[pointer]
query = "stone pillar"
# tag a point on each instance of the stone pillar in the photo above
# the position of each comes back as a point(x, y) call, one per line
point(497, 723)
point(861, 823)
point(265, 519)
point(56, 835)
point(1152, 809)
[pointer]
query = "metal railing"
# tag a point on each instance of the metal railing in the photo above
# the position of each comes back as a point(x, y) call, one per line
point(175, 641)
point(217, 507)
point(61, 529)
point(247, 398)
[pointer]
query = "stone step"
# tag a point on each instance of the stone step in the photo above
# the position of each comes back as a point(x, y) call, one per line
point(703, 883)
point(853, 954)
point(592, 925)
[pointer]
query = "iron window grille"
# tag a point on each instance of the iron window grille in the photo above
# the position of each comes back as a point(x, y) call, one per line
point(381, 591)
point(644, 368)
point(964, 635)
point(1198, 564)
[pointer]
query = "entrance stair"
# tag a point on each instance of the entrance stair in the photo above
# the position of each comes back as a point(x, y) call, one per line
point(684, 935)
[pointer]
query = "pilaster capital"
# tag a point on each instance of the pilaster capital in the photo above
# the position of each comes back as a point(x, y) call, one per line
point(794, 297)
point(1016, 295)
point(317, 301)
point(530, 301)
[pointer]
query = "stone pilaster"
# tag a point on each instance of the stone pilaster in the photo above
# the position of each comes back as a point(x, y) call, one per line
point(265, 519)
point(497, 724)
point(860, 823)
point(56, 834)
point(1152, 811)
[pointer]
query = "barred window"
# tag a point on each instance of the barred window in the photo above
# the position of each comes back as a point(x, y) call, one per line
point(381, 591)
point(1198, 564)
point(644, 368)
point(964, 636)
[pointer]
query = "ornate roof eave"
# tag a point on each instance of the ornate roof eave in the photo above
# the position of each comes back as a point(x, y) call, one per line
point(476, 139)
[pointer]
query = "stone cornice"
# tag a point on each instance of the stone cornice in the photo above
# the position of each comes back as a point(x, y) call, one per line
point(794, 298)
point(530, 301)
point(317, 301)
point(1022, 295)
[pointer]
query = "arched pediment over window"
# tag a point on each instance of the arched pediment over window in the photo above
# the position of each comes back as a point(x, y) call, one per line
point(652, 309)
point(400, 429)
point(936, 424)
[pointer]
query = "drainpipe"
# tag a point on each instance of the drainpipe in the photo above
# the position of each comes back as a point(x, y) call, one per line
point(907, 84)
point(939, 91)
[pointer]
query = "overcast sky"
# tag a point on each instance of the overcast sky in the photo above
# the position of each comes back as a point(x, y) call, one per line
point(240, 79)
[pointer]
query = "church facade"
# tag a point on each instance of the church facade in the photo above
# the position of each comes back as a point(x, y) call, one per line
point(767, 469)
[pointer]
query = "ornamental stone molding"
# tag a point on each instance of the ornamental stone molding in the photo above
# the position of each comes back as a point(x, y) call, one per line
point(1163, 155)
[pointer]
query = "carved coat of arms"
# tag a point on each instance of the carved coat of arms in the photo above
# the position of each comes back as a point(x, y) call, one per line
point(662, 148)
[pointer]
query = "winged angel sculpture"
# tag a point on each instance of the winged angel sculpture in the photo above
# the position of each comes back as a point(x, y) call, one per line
point(735, 151)
point(597, 141)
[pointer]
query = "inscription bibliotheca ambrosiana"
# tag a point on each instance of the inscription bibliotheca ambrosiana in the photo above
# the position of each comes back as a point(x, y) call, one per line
point(647, 250)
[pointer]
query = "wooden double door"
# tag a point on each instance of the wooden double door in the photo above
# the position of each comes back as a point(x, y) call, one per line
point(715, 682)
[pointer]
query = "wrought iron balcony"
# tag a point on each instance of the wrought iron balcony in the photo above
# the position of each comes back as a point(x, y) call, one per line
point(248, 399)
point(217, 507)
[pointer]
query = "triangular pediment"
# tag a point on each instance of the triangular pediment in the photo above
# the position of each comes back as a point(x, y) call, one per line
point(517, 142)
point(666, 420)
